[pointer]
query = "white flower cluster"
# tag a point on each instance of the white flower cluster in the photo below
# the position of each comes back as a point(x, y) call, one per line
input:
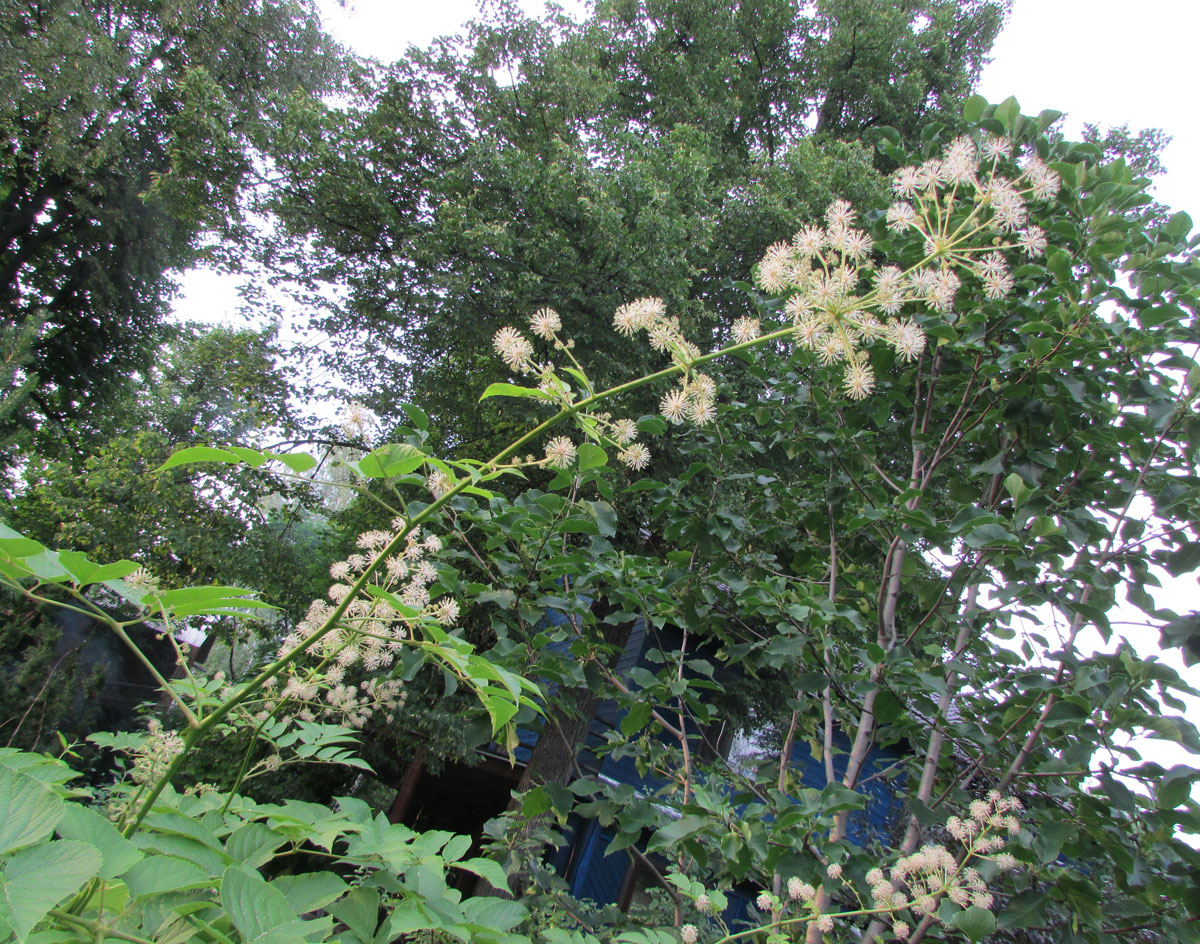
point(373, 628)
point(933, 871)
point(968, 214)
point(694, 400)
point(912, 888)
point(357, 422)
point(517, 352)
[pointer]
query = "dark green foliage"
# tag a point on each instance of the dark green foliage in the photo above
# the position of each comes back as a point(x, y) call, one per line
point(96, 489)
point(45, 691)
point(127, 132)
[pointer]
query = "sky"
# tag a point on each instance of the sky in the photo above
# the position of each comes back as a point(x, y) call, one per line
point(1107, 62)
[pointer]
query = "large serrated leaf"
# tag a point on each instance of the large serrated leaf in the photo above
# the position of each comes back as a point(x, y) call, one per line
point(262, 913)
point(119, 854)
point(492, 872)
point(254, 844)
point(495, 913)
point(29, 810)
point(310, 890)
point(391, 460)
point(359, 911)
point(36, 879)
point(165, 873)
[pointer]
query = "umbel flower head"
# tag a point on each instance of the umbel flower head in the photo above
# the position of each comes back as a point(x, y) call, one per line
point(970, 214)
point(919, 881)
point(517, 352)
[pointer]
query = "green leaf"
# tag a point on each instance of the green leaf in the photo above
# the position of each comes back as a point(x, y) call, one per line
point(680, 829)
point(391, 460)
point(495, 913)
point(490, 871)
point(119, 854)
point(651, 425)
point(636, 718)
point(975, 923)
point(418, 417)
point(989, 535)
point(973, 109)
point(1059, 262)
point(591, 456)
point(1006, 113)
point(309, 891)
point(201, 601)
point(1016, 487)
point(887, 707)
point(535, 802)
point(512, 390)
point(359, 911)
point(1024, 910)
point(1173, 792)
point(252, 457)
point(29, 810)
point(1175, 729)
point(18, 548)
point(500, 709)
point(1180, 224)
point(36, 879)
point(192, 454)
point(1049, 839)
point(254, 844)
point(261, 912)
point(298, 462)
point(165, 873)
point(88, 572)
point(1046, 117)
point(606, 517)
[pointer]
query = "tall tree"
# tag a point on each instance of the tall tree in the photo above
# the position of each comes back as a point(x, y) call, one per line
point(93, 486)
point(128, 131)
point(655, 148)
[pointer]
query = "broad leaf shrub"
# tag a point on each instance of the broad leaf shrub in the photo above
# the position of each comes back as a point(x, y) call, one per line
point(968, 433)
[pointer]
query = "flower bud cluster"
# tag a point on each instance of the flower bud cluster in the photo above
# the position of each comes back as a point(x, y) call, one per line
point(912, 888)
point(968, 213)
point(156, 753)
point(933, 871)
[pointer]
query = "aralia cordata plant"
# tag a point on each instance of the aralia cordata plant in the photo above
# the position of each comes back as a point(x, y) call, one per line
point(962, 222)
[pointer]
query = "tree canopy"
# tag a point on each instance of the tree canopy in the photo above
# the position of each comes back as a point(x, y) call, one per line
point(652, 148)
point(128, 134)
